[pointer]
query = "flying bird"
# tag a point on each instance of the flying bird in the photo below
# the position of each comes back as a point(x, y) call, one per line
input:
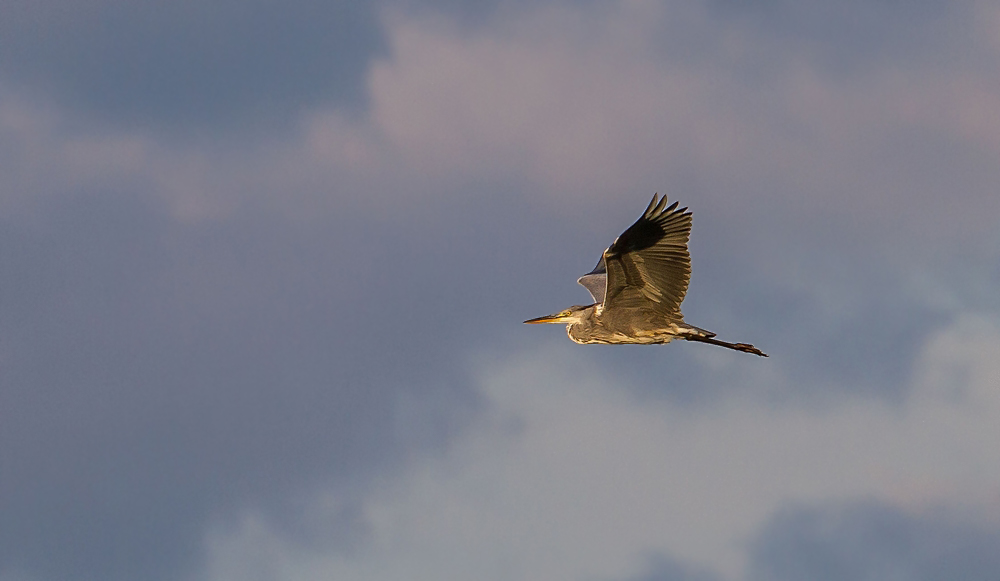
point(638, 286)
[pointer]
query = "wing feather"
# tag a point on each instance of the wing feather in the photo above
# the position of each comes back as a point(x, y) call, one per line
point(649, 266)
point(596, 281)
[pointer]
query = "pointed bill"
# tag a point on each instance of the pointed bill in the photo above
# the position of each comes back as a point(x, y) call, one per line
point(546, 319)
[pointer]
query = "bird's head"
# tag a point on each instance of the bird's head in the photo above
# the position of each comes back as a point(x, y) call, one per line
point(574, 314)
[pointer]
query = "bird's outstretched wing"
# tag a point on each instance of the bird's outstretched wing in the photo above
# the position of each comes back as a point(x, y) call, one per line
point(648, 266)
point(596, 281)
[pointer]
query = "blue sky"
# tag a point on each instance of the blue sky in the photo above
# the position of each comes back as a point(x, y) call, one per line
point(263, 267)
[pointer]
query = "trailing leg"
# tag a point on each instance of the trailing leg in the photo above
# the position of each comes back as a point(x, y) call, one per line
point(744, 347)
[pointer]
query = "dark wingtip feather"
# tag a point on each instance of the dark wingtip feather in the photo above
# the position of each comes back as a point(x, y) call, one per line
point(651, 205)
point(659, 207)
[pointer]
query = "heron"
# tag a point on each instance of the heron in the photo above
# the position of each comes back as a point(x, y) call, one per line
point(638, 286)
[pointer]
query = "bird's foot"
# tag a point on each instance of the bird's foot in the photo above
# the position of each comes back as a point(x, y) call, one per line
point(748, 348)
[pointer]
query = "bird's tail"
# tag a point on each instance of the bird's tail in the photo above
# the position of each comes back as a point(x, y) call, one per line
point(744, 347)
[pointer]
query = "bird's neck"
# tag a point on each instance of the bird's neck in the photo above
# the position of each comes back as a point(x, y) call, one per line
point(582, 330)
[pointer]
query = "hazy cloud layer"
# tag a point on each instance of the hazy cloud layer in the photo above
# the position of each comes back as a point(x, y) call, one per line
point(263, 320)
point(573, 476)
point(871, 541)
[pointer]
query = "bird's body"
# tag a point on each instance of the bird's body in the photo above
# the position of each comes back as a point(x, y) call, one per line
point(644, 327)
point(639, 284)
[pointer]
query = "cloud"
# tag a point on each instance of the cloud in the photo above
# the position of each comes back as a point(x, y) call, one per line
point(582, 102)
point(172, 350)
point(267, 334)
point(576, 102)
point(574, 478)
point(661, 568)
point(862, 541)
point(164, 65)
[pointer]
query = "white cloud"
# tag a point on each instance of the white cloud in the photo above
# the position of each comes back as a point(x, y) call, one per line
point(572, 477)
point(584, 103)
point(576, 102)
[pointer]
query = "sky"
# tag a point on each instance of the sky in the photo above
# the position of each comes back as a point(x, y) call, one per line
point(263, 267)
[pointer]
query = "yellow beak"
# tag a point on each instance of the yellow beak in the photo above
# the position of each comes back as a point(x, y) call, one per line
point(545, 319)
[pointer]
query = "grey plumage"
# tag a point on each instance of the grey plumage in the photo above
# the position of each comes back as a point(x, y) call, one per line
point(638, 286)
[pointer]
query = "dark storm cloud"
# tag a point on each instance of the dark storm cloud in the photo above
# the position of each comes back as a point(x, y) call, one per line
point(201, 64)
point(872, 541)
